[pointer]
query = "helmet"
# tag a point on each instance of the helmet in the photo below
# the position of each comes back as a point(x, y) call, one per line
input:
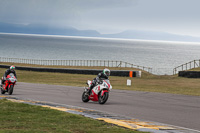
point(106, 72)
point(12, 68)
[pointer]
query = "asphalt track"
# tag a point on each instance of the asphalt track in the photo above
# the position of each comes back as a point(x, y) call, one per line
point(178, 110)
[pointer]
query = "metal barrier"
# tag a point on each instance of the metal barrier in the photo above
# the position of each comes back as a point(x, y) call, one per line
point(105, 63)
point(187, 66)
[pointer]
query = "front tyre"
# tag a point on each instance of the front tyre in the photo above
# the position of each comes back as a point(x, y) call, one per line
point(85, 97)
point(104, 98)
point(10, 90)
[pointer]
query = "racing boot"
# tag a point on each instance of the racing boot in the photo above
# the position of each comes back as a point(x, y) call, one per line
point(90, 89)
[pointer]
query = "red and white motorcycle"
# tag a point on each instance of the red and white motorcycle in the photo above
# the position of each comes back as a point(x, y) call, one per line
point(99, 93)
point(9, 84)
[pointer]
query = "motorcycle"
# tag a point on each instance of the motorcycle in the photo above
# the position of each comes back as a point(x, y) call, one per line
point(99, 93)
point(9, 84)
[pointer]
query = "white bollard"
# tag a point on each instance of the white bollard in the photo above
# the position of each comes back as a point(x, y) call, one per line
point(139, 74)
point(128, 82)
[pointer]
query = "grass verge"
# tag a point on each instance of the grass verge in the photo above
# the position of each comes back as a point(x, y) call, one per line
point(20, 117)
point(148, 82)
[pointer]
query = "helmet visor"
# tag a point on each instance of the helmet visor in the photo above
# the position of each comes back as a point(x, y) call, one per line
point(107, 73)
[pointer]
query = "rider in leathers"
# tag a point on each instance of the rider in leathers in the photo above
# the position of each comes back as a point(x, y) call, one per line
point(103, 75)
point(7, 72)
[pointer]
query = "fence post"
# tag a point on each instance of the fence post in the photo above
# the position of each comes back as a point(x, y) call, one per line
point(186, 66)
point(199, 63)
point(174, 71)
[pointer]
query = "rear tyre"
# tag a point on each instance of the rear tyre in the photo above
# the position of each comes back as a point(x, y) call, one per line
point(10, 90)
point(104, 98)
point(85, 97)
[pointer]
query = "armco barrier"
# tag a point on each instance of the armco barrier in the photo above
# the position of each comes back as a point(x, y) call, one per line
point(123, 73)
point(189, 74)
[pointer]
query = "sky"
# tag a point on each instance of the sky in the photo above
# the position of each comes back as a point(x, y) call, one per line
point(107, 16)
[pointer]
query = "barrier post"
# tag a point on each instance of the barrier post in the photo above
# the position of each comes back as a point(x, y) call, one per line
point(131, 74)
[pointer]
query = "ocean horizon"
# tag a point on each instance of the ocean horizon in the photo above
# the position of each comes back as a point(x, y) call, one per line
point(104, 38)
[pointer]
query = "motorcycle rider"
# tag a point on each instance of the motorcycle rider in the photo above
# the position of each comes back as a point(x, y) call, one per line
point(102, 75)
point(7, 72)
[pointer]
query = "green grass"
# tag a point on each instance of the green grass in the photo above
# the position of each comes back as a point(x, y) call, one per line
point(24, 118)
point(148, 82)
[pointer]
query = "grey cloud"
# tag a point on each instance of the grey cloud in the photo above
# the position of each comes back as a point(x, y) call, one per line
point(66, 11)
point(104, 4)
point(35, 11)
point(101, 14)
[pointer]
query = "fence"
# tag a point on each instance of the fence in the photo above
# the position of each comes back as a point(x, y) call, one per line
point(187, 66)
point(105, 63)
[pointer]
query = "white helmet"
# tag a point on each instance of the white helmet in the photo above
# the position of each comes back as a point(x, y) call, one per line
point(106, 72)
point(12, 67)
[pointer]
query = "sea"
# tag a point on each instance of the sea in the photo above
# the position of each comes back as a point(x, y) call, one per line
point(161, 56)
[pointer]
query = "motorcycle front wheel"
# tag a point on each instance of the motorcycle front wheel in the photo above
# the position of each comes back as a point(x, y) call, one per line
point(85, 97)
point(104, 98)
point(10, 90)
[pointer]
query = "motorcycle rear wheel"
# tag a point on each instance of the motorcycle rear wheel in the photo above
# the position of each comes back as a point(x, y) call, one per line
point(104, 98)
point(10, 90)
point(85, 97)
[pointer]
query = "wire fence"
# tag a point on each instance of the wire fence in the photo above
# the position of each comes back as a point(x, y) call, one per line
point(88, 63)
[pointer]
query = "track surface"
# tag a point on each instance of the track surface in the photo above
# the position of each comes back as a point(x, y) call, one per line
point(178, 110)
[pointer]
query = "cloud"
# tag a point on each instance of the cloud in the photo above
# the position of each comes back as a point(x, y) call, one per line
point(105, 15)
point(59, 13)
point(33, 11)
point(104, 4)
